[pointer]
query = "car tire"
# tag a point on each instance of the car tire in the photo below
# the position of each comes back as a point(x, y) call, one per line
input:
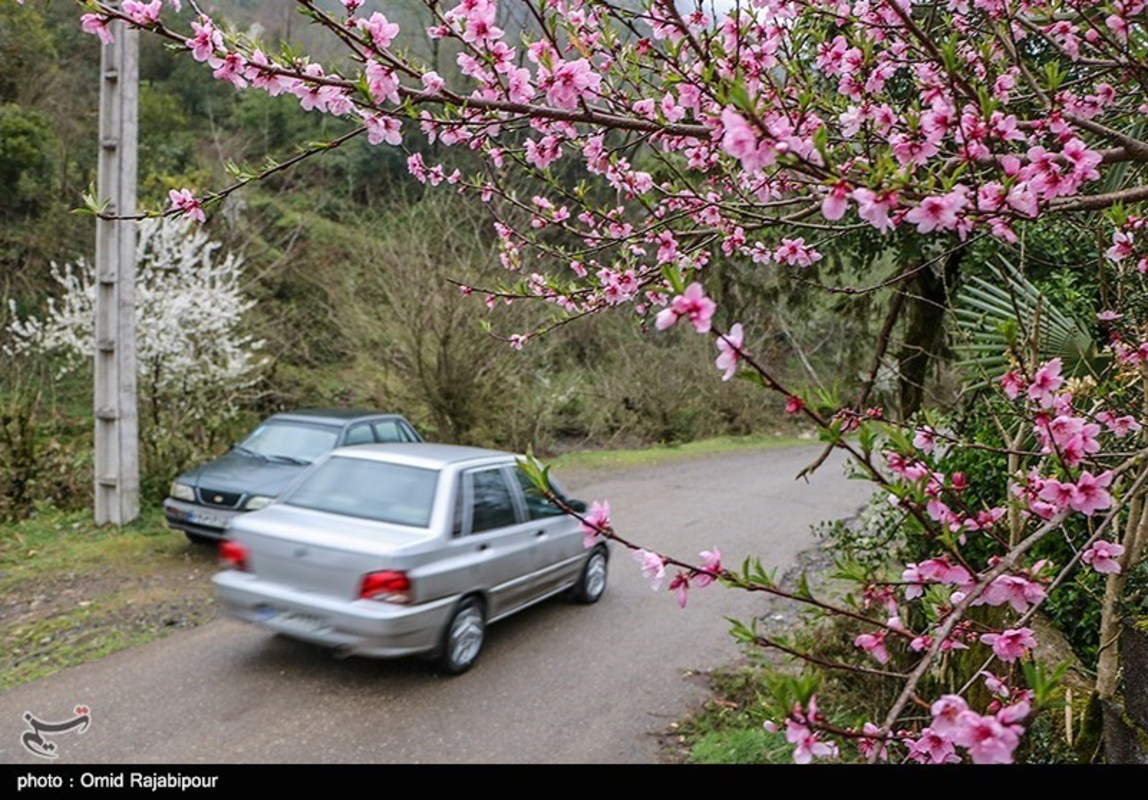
point(592, 582)
point(463, 638)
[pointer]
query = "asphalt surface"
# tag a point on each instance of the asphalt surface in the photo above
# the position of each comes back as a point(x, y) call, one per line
point(557, 684)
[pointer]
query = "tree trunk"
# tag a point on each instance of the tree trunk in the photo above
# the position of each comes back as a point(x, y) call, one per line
point(928, 300)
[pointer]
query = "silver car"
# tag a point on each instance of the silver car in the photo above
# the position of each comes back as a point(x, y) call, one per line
point(395, 550)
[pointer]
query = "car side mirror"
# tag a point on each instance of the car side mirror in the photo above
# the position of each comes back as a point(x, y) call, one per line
point(577, 505)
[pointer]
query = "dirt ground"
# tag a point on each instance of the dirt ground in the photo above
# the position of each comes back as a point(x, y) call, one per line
point(50, 623)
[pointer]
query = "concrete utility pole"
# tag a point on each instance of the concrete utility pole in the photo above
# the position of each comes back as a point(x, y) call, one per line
point(117, 426)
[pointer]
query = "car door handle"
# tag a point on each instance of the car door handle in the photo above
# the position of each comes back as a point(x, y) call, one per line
point(540, 533)
point(482, 547)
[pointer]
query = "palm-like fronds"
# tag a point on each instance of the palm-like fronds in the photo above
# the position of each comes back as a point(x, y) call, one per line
point(998, 322)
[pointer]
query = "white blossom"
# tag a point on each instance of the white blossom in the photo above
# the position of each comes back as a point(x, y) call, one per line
point(189, 313)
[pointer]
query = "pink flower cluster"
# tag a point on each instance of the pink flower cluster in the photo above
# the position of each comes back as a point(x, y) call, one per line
point(1048, 497)
point(653, 567)
point(596, 521)
point(1124, 246)
point(987, 739)
point(800, 731)
point(691, 304)
point(185, 201)
point(1102, 556)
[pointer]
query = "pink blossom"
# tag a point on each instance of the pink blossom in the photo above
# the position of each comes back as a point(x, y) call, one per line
point(1046, 381)
point(807, 745)
point(932, 748)
point(97, 25)
point(943, 571)
point(1057, 494)
point(738, 139)
point(937, 213)
point(986, 519)
point(796, 252)
point(994, 684)
point(1102, 555)
point(691, 303)
point(382, 128)
point(232, 68)
point(924, 439)
point(206, 41)
point(834, 205)
point(711, 567)
point(729, 351)
point(1018, 592)
point(1122, 247)
point(793, 404)
point(875, 741)
point(946, 713)
point(569, 83)
point(1010, 644)
point(142, 13)
point(680, 585)
point(653, 567)
point(912, 576)
point(1123, 426)
point(874, 207)
point(596, 520)
point(667, 247)
point(987, 740)
point(874, 645)
point(1090, 493)
point(186, 202)
point(381, 30)
point(1013, 384)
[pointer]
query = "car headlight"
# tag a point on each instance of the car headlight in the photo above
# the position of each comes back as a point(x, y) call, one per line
point(181, 491)
point(257, 502)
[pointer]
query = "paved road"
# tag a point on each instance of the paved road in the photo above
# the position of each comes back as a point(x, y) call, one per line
point(556, 684)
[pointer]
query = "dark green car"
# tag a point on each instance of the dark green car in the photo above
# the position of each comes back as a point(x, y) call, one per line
point(202, 501)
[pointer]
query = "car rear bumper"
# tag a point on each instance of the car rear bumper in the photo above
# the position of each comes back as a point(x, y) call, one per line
point(358, 627)
point(199, 520)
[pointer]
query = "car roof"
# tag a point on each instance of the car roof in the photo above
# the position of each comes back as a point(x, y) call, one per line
point(430, 456)
point(336, 416)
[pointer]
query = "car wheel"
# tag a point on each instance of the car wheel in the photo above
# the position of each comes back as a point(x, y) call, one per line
point(196, 538)
point(463, 637)
point(592, 582)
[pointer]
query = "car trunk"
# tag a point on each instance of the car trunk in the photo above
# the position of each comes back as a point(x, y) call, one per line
point(322, 553)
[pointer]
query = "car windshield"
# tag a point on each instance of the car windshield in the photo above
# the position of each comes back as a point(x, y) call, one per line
point(369, 489)
point(290, 441)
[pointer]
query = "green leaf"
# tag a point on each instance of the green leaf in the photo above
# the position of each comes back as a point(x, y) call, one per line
point(1053, 75)
point(750, 376)
point(739, 97)
point(803, 591)
point(1045, 683)
point(1010, 316)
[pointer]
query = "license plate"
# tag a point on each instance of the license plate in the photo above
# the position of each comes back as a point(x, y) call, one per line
point(207, 520)
point(297, 623)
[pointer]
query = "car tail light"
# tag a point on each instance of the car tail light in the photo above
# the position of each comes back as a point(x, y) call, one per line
point(233, 555)
point(386, 587)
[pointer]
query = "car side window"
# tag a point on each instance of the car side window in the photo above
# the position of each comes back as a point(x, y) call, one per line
point(538, 506)
point(360, 434)
point(389, 431)
point(408, 433)
point(493, 504)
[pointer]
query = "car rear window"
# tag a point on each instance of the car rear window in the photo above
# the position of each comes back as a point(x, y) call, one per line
point(357, 487)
